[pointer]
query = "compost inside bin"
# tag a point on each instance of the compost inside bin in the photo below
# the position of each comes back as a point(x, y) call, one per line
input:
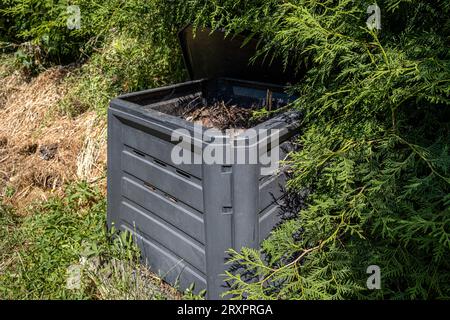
point(220, 115)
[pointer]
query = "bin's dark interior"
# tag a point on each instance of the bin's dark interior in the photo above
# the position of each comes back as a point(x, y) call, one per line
point(177, 99)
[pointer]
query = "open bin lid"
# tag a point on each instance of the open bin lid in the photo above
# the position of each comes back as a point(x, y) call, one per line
point(211, 55)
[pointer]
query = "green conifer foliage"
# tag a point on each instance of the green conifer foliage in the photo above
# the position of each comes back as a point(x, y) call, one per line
point(374, 153)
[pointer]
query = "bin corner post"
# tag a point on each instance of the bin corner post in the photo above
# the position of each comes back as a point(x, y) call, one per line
point(245, 186)
point(217, 217)
point(114, 147)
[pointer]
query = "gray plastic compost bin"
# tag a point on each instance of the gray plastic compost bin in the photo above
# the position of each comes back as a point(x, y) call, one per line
point(185, 216)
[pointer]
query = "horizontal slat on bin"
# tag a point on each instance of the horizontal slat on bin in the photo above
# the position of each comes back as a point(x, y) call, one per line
point(269, 190)
point(146, 223)
point(267, 220)
point(177, 214)
point(171, 268)
point(155, 147)
point(163, 178)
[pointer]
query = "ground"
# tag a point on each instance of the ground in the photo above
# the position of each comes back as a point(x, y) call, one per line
point(52, 200)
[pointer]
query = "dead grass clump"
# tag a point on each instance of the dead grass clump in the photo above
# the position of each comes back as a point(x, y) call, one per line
point(91, 160)
point(9, 85)
point(39, 148)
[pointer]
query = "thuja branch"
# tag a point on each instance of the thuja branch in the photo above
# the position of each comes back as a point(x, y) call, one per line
point(292, 263)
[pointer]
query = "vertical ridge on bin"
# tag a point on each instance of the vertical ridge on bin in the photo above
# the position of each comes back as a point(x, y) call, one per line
point(217, 228)
point(245, 205)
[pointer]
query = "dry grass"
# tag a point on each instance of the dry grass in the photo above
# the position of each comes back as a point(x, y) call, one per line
point(40, 150)
point(122, 280)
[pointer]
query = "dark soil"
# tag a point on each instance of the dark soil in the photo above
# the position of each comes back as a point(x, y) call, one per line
point(3, 142)
point(28, 149)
